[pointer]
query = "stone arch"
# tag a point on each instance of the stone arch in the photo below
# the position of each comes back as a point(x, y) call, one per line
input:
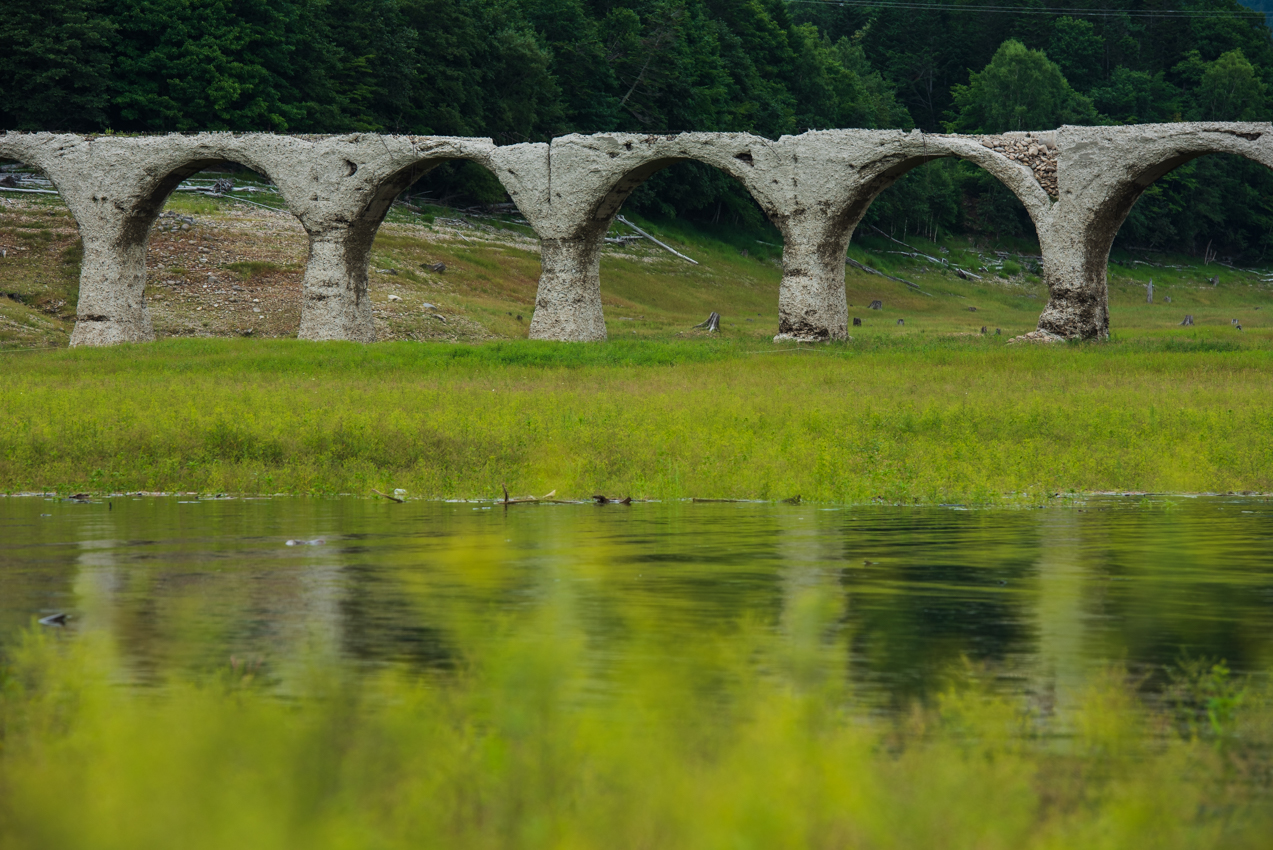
point(19, 148)
point(162, 180)
point(909, 153)
point(342, 237)
point(837, 174)
point(1106, 171)
point(591, 178)
point(366, 221)
point(619, 163)
point(152, 171)
point(1142, 164)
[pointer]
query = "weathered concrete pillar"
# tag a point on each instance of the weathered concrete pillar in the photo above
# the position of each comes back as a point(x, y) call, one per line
point(568, 302)
point(98, 184)
point(811, 301)
point(112, 305)
point(1075, 270)
point(334, 301)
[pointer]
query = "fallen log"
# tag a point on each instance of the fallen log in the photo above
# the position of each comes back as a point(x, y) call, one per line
point(662, 245)
point(914, 253)
point(870, 270)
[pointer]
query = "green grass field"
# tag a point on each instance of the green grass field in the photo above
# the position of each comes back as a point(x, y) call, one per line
point(936, 419)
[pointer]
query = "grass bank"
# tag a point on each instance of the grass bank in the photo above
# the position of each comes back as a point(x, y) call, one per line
point(933, 419)
point(746, 741)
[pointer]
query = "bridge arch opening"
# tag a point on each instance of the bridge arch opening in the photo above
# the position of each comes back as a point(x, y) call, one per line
point(1129, 191)
point(224, 251)
point(1210, 209)
point(707, 214)
point(416, 196)
point(570, 297)
point(41, 253)
point(952, 218)
point(1011, 194)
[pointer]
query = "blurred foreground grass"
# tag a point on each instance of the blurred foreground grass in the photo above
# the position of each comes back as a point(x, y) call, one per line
point(936, 420)
point(746, 740)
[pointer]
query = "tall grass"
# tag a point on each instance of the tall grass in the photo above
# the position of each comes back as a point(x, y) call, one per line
point(948, 421)
point(745, 741)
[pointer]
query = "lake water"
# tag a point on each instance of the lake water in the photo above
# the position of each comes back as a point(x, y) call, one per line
point(1036, 596)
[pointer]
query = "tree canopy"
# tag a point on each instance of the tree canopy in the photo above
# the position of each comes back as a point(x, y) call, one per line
point(526, 70)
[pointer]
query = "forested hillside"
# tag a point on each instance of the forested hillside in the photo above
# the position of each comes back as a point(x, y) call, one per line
point(519, 70)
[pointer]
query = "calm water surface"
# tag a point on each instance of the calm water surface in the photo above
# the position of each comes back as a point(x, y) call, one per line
point(1031, 594)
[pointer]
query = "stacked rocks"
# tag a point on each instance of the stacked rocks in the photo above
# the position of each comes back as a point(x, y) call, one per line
point(1036, 154)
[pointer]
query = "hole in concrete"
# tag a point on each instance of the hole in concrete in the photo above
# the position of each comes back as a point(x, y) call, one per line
point(351, 168)
point(745, 156)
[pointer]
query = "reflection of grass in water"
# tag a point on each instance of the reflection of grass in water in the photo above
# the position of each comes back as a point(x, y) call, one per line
point(741, 741)
point(938, 420)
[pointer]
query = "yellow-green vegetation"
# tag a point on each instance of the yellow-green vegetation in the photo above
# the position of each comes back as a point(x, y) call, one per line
point(743, 739)
point(39, 274)
point(948, 419)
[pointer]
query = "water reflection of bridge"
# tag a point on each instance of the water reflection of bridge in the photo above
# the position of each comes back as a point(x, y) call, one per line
point(1038, 599)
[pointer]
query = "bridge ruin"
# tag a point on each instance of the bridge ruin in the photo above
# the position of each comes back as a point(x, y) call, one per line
point(1077, 183)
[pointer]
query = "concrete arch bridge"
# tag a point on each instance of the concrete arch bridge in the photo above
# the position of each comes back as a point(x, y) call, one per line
point(1077, 183)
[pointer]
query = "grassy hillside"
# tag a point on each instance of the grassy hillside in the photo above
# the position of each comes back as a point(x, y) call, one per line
point(237, 271)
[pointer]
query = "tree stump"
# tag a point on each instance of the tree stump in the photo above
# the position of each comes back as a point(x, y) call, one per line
point(857, 323)
point(876, 305)
point(1188, 322)
point(711, 325)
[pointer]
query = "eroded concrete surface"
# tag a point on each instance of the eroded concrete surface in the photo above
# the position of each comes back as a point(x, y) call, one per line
point(1077, 183)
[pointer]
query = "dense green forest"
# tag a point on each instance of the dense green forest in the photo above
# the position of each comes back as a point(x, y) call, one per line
point(520, 70)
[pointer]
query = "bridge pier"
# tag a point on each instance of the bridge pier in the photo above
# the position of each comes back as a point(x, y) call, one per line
point(1078, 287)
point(334, 301)
point(112, 305)
point(811, 303)
point(568, 301)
